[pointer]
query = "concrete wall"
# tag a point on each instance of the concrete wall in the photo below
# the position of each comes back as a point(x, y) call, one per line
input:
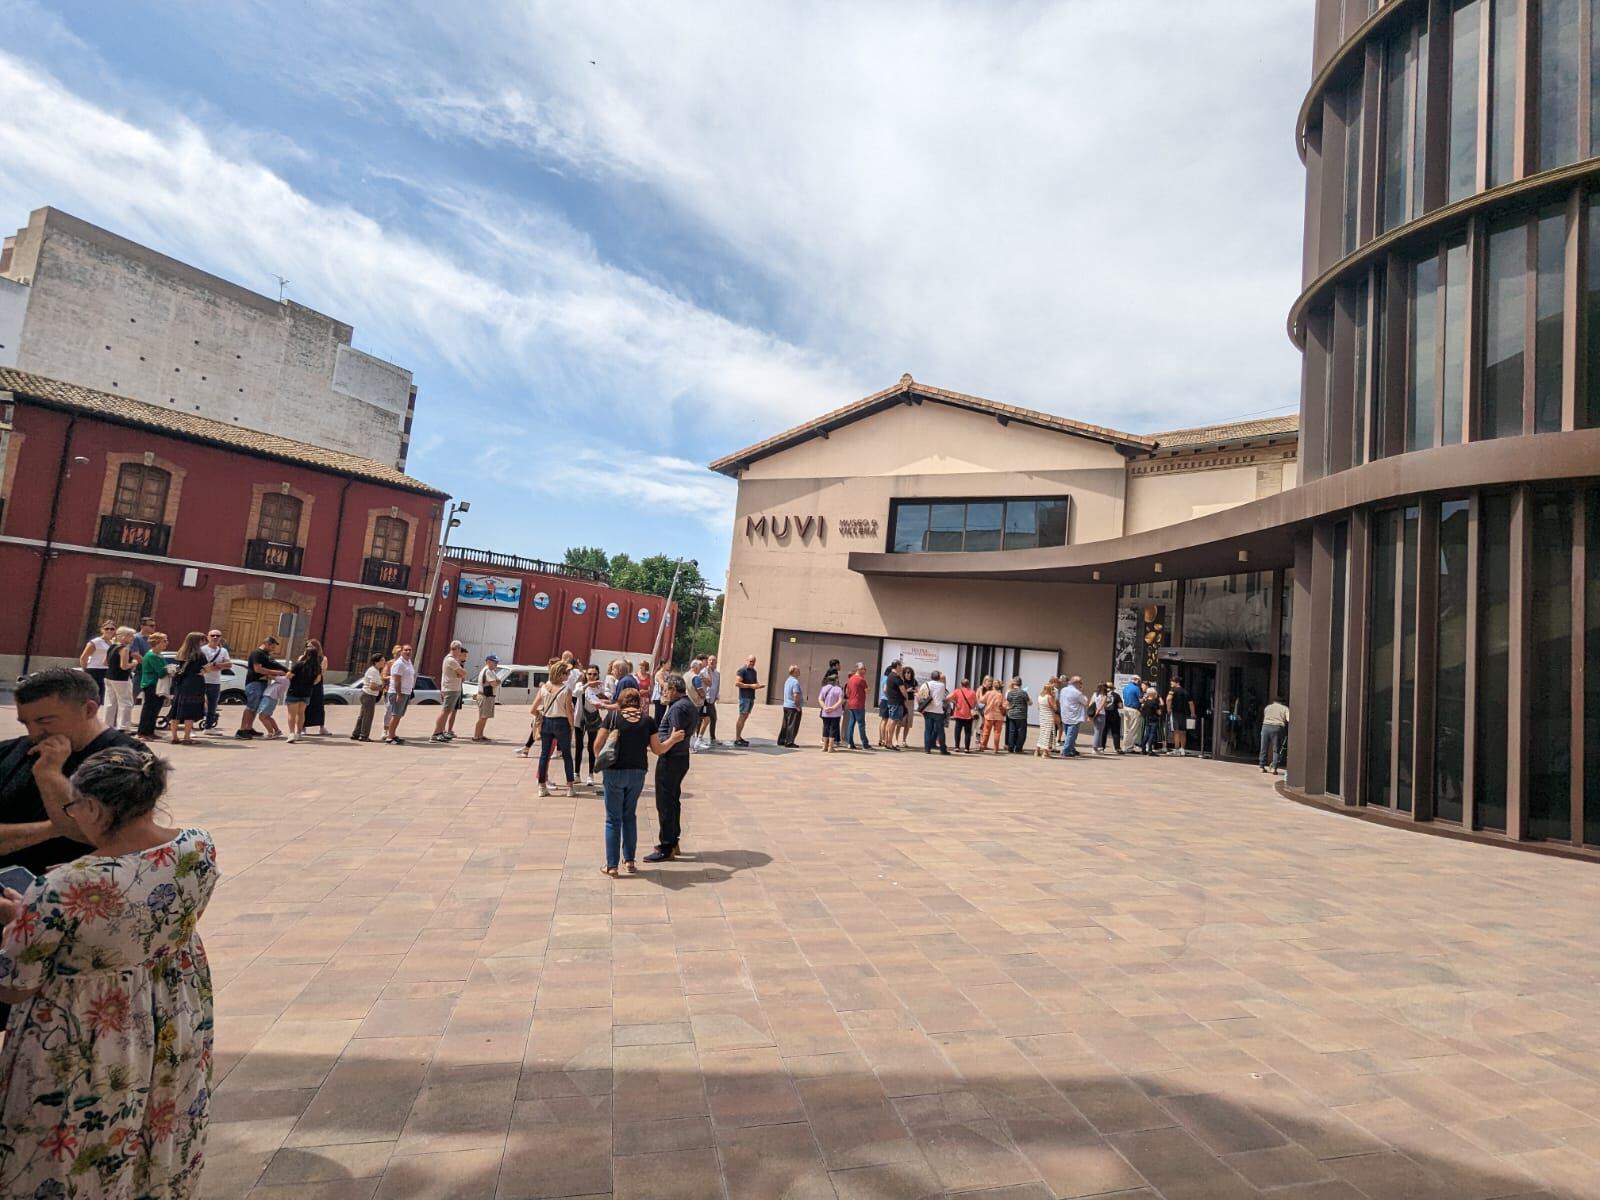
point(13, 311)
point(802, 581)
point(110, 314)
point(1165, 491)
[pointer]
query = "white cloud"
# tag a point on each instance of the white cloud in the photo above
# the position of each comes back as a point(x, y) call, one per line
point(525, 295)
point(1092, 207)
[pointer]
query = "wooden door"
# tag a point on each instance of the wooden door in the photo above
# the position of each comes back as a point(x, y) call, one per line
point(250, 622)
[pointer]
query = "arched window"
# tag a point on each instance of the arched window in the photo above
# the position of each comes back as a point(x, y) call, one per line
point(280, 519)
point(120, 602)
point(389, 539)
point(141, 493)
point(376, 632)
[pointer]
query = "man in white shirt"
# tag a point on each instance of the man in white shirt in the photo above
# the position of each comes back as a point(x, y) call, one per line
point(933, 700)
point(711, 678)
point(694, 692)
point(1074, 708)
point(402, 682)
point(452, 675)
point(1274, 735)
point(217, 662)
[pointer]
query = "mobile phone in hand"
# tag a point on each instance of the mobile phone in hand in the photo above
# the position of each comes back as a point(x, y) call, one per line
point(19, 879)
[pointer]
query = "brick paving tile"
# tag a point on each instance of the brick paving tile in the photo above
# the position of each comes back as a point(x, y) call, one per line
point(877, 976)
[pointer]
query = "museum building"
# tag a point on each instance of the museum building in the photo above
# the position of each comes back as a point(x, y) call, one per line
point(1430, 567)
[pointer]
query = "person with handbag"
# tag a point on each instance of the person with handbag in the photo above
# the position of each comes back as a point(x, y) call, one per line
point(587, 702)
point(371, 690)
point(626, 740)
point(153, 671)
point(488, 685)
point(552, 724)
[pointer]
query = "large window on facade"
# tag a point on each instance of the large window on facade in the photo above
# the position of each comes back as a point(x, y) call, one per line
point(1557, 82)
point(954, 526)
point(1406, 691)
point(279, 520)
point(120, 602)
point(1588, 415)
point(1450, 664)
point(1422, 372)
point(376, 631)
point(1285, 623)
point(1336, 635)
point(1503, 91)
point(1504, 332)
point(1453, 385)
point(1229, 612)
point(1361, 401)
point(1591, 670)
point(1549, 308)
point(1550, 669)
point(1384, 572)
point(1466, 28)
point(1350, 112)
point(389, 539)
point(1405, 102)
point(141, 493)
point(1494, 661)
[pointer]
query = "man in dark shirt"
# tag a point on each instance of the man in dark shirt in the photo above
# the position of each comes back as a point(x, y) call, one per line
point(672, 766)
point(261, 670)
point(891, 706)
point(748, 682)
point(60, 710)
point(1180, 708)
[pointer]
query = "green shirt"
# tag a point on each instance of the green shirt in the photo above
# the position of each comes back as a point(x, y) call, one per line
point(152, 668)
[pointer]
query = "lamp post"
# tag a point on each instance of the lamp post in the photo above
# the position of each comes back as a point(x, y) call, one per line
point(666, 609)
point(451, 521)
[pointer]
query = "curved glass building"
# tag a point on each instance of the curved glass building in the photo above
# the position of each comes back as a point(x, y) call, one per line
point(1447, 582)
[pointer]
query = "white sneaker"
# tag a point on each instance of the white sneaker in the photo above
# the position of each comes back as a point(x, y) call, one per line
point(588, 781)
point(294, 737)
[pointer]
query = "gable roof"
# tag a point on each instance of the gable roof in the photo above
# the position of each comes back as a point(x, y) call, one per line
point(126, 411)
point(1228, 433)
point(909, 391)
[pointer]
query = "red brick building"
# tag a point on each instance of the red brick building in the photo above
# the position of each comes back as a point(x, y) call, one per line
point(111, 508)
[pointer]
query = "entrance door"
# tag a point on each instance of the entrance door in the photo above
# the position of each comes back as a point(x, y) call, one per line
point(1243, 681)
point(811, 652)
point(1199, 679)
point(251, 622)
point(487, 631)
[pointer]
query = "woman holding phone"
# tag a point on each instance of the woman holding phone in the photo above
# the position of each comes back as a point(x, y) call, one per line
point(106, 1067)
point(552, 723)
point(152, 672)
point(637, 739)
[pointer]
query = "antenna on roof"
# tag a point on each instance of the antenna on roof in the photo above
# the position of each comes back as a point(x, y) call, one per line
point(283, 286)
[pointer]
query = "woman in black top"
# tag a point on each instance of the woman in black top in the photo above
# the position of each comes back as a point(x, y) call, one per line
point(317, 706)
point(637, 739)
point(188, 690)
point(304, 675)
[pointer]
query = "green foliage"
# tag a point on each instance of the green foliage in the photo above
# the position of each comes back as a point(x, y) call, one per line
point(699, 615)
point(590, 557)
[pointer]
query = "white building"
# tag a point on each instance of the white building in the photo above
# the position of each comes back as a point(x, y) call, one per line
point(81, 304)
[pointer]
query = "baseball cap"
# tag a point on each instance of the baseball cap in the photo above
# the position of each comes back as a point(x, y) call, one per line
point(491, 658)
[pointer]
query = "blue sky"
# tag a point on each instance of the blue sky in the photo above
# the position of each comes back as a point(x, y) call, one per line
point(616, 241)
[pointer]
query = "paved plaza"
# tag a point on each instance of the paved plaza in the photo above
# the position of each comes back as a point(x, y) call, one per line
point(877, 976)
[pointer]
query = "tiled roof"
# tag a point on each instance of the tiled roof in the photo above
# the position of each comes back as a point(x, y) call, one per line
point(908, 388)
point(128, 411)
point(1232, 431)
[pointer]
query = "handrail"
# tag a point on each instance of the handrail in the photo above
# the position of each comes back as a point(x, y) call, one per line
point(515, 562)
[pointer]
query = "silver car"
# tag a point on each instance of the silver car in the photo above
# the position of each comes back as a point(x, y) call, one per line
point(349, 692)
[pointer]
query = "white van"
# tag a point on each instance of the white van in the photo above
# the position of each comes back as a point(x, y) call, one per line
point(518, 683)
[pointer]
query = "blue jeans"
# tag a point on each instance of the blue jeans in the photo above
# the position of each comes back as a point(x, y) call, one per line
point(933, 732)
point(555, 733)
point(854, 719)
point(213, 698)
point(1070, 746)
point(623, 789)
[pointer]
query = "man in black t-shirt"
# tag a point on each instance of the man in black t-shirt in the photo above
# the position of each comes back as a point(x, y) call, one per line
point(1180, 708)
point(748, 683)
point(60, 710)
point(891, 705)
point(672, 766)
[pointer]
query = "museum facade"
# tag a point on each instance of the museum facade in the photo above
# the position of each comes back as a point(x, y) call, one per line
point(1420, 572)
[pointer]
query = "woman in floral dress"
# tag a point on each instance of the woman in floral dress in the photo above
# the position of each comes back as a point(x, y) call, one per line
point(106, 1068)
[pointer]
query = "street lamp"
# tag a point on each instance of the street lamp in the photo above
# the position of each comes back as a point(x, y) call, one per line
point(451, 521)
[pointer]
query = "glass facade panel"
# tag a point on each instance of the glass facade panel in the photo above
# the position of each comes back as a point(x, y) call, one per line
point(1503, 92)
point(1455, 341)
point(1464, 37)
point(1422, 369)
point(1589, 400)
point(1591, 670)
point(1285, 625)
point(910, 528)
point(983, 526)
point(1549, 301)
point(1052, 518)
point(1336, 636)
point(1361, 402)
point(1450, 667)
point(1406, 716)
point(1229, 612)
point(1380, 655)
point(1351, 106)
point(1558, 83)
point(1022, 525)
point(1494, 661)
point(1550, 670)
point(1505, 325)
point(946, 527)
point(1405, 89)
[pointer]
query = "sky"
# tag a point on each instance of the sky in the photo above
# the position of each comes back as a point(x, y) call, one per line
point(616, 241)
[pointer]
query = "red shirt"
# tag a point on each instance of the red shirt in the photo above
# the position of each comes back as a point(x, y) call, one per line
point(965, 701)
point(855, 692)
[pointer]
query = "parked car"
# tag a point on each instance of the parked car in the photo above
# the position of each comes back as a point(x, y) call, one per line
point(349, 692)
point(232, 679)
point(518, 683)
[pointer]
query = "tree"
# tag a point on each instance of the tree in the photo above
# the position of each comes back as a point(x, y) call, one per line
point(590, 558)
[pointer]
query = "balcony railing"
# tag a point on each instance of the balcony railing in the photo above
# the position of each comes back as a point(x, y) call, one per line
point(140, 537)
point(263, 555)
point(378, 572)
point(493, 558)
